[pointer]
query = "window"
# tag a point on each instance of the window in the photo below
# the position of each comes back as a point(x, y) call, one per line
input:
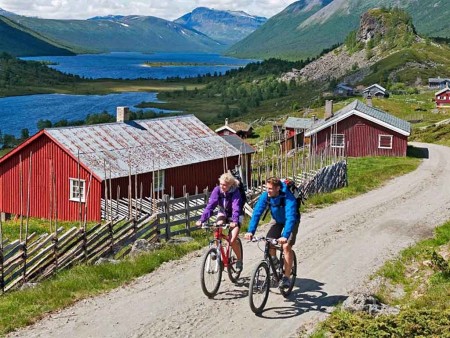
point(77, 190)
point(385, 141)
point(337, 140)
point(159, 177)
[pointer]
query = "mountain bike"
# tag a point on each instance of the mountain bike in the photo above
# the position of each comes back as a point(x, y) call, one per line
point(220, 255)
point(267, 273)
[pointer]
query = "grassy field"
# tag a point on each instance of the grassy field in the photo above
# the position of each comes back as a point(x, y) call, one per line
point(418, 282)
point(23, 307)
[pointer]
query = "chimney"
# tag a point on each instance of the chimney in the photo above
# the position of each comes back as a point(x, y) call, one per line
point(226, 122)
point(328, 109)
point(123, 114)
point(369, 101)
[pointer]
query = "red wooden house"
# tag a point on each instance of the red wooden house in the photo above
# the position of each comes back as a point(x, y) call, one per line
point(442, 98)
point(294, 129)
point(361, 130)
point(71, 167)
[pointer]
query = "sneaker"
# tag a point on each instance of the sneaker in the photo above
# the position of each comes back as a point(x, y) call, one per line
point(238, 266)
point(285, 283)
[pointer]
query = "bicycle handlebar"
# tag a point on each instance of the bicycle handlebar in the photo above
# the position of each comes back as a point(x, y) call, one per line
point(215, 226)
point(272, 241)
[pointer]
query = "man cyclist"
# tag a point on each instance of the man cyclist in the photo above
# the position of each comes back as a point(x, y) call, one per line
point(228, 198)
point(284, 223)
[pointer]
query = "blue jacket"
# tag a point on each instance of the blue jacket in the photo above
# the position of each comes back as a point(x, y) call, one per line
point(228, 203)
point(283, 209)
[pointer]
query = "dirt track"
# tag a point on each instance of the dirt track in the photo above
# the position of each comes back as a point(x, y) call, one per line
point(337, 248)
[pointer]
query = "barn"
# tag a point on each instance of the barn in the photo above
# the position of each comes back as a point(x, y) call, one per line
point(295, 128)
point(64, 173)
point(239, 128)
point(360, 130)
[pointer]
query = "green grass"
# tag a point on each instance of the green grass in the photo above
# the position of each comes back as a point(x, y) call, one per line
point(424, 307)
point(365, 174)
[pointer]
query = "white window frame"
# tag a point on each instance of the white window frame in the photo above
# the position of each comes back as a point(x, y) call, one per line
point(74, 190)
point(159, 180)
point(390, 142)
point(335, 138)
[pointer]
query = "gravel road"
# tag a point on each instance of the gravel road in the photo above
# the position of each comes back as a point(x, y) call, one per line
point(337, 248)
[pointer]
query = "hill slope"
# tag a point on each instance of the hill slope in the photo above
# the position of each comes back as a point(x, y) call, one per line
point(20, 41)
point(307, 27)
point(228, 27)
point(123, 34)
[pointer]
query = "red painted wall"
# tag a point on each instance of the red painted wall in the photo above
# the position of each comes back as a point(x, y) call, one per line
point(443, 99)
point(361, 138)
point(44, 152)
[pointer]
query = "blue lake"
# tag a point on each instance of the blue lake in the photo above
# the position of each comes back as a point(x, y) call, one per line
point(21, 112)
point(18, 112)
point(131, 65)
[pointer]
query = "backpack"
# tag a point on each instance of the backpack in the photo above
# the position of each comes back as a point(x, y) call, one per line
point(241, 189)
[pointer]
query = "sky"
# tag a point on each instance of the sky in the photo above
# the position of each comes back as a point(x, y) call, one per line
point(165, 9)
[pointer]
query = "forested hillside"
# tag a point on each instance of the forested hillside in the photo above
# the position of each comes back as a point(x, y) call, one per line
point(20, 41)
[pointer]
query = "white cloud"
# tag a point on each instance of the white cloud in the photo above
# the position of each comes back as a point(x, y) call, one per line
point(83, 9)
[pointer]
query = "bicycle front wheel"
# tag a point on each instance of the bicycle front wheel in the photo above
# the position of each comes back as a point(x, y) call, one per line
point(234, 274)
point(211, 272)
point(259, 287)
point(292, 277)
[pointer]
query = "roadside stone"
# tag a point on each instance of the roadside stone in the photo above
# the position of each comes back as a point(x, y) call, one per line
point(104, 260)
point(141, 245)
point(180, 240)
point(368, 304)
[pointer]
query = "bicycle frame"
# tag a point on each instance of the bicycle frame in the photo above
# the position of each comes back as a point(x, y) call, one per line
point(278, 274)
point(217, 242)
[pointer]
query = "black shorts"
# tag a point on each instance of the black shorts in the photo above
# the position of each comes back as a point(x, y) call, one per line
point(276, 230)
point(227, 220)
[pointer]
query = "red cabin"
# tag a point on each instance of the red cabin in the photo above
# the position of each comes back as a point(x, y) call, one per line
point(72, 167)
point(359, 130)
point(442, 98)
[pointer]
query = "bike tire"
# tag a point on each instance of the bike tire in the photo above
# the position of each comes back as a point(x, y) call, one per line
point(259, 287)
point(211, 272)
point(292, 277)
point(232, 273)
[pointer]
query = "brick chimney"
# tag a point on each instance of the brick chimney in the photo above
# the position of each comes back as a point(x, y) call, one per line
point(328, 109)
point(369, 101)
point(123, 114)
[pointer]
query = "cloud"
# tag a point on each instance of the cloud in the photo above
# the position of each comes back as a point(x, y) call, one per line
point(83, 9)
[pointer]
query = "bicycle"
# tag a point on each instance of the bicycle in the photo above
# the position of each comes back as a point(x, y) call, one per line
point(219, 256)
point(266, 272)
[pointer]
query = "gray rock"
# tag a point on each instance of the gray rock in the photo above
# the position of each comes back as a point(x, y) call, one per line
point(368, 304)
point(141, 245)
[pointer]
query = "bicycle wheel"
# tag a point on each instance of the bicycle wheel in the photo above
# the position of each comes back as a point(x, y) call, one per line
point(211, 272)
point(232, 259)
point(259, 287)
point(292, 277)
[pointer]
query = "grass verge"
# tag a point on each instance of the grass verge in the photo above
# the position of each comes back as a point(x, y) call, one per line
point(417, 283)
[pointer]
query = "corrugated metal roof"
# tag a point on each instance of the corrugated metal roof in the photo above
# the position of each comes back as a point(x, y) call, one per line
point(145, 145)
point(239, 144)
point(367, 110)
point(298, 123)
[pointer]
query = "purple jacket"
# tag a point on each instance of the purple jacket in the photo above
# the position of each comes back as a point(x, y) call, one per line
point(228, 203)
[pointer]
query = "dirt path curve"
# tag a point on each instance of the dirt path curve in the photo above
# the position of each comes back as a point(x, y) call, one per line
point(337, 247)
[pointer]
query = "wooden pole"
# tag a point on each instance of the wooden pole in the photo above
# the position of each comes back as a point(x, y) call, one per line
point(106, 190)
point(28, 217)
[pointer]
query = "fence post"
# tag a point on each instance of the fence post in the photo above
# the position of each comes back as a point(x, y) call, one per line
point(2, 277)
point(166, 212)
point(188, 214)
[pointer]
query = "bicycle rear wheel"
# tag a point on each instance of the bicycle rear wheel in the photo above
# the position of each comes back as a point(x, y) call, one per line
point(292, 276)
point(259, 287)
point(211, 272)
point(233, 274)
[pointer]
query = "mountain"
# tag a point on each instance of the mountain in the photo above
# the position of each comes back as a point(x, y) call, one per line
point(385, 49)
point(6, 13)
point(122, 34)
point(227, 27)
point(21, 41)
point(307, 27)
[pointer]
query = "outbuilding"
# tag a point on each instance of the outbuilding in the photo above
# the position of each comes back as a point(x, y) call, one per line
point(359, 130)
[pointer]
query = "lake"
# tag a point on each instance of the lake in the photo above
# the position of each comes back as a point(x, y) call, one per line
point(18, 112)
point(21, 112)
point(131, 65)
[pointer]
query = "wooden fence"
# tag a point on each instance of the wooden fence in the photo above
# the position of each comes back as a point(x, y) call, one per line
point(39, 256)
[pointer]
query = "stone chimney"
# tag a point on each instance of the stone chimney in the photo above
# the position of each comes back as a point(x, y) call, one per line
point(226, 122)
point(123, 114)
point(369, 101)
point(328, 109)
